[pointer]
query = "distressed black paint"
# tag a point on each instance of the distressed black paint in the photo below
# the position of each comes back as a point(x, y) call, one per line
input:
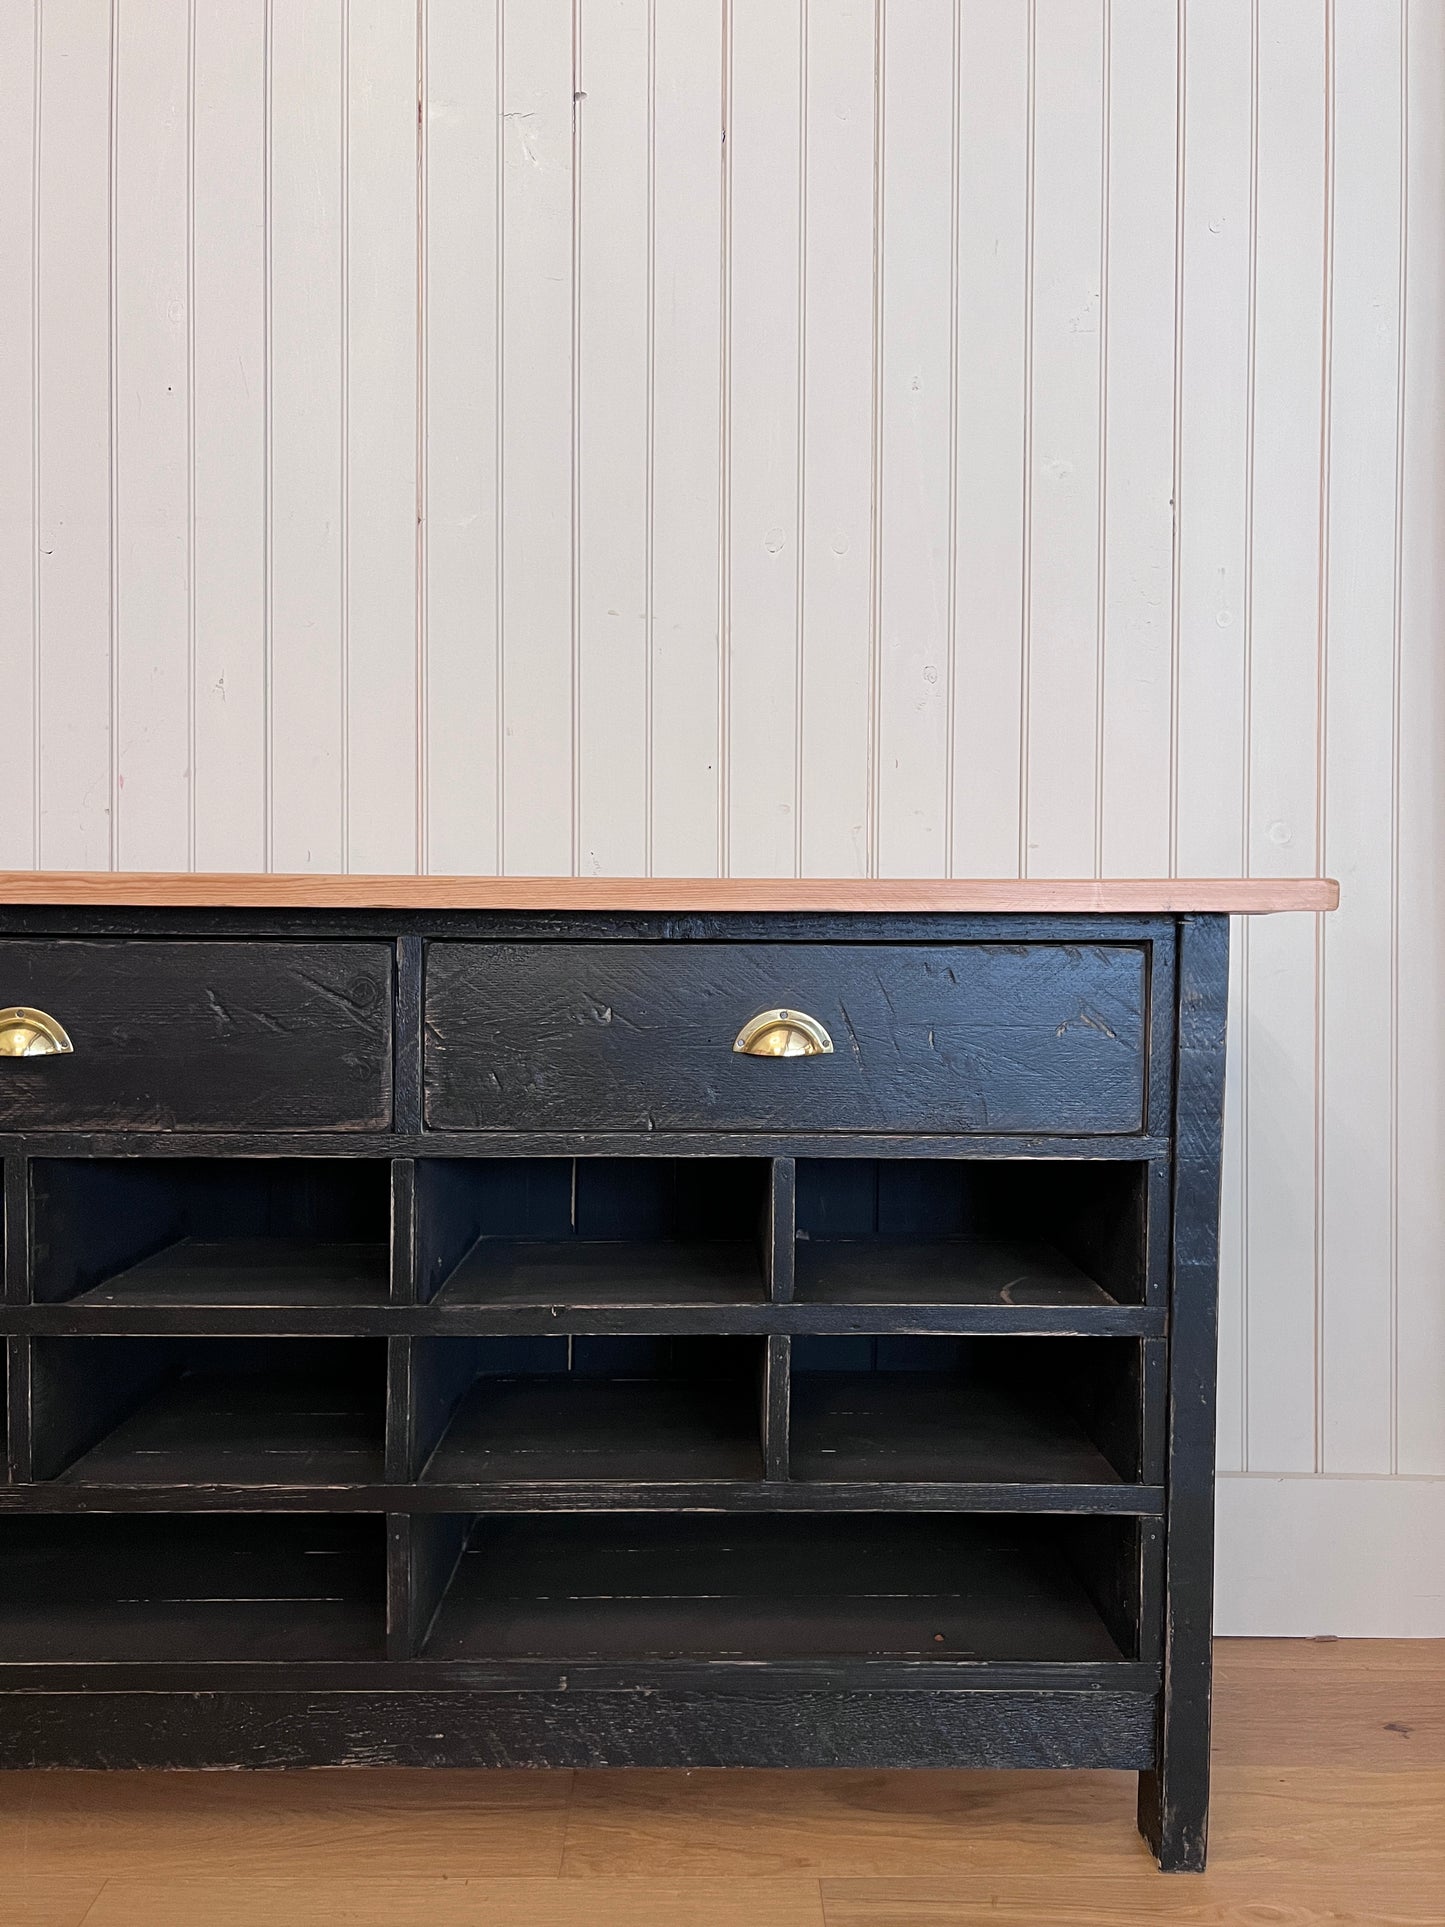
point(203, 1036)
point(976, 1037)
point(626, 1431)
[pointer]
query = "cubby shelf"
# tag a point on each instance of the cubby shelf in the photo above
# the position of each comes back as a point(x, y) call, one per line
point(895, 1272)
point(755, 1588)
point(542, 1430)
point(622, 1275)
point(280, 1274)
point(240, 1431)
point(920, 1428)
point(168, 1590)
point(442, 1320)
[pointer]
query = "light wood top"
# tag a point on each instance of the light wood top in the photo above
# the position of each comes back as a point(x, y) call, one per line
point(244, 890)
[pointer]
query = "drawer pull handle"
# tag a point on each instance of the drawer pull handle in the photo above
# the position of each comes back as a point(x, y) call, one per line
point(783, 1033)
point(30, 1033)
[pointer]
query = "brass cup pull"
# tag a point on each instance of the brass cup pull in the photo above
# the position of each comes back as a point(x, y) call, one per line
point(30, 1033)
point(783, 1033)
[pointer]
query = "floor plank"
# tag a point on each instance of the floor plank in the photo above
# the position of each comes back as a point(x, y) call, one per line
point(52, 1900)
point(380, 1823)
point(458, 1903)
point(1330, 1702)
point(1143, 1898)
point(1311, 1818)
point(757, 1825)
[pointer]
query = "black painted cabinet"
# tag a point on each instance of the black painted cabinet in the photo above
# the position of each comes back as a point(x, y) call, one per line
point(431, 1338)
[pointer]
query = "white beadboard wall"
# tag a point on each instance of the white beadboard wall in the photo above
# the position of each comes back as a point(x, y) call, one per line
point(792, 437)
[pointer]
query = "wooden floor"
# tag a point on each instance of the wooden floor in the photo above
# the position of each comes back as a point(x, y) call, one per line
point(1329, 1807)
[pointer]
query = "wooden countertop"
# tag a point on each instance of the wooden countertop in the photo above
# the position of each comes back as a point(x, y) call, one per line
point(1140, 895)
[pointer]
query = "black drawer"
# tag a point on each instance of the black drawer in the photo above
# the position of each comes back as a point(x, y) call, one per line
point(201, 1036)
point(1008, 1038)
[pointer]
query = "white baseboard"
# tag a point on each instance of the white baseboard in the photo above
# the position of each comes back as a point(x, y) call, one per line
point(1363, 1558)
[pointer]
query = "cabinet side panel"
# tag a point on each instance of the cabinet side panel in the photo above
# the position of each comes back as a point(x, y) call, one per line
point(1174, 1798)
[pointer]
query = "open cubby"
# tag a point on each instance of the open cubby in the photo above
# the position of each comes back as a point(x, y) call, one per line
point(218, 1587)
point(580, 1409)
point(841, 1587)
point(1040, 1233)
point(199, 1412)
point(158, 1232)
point(1034, 1411)
point(593, 1231)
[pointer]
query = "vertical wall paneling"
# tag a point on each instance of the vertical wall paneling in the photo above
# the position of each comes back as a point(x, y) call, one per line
point(685, 509)
point(1067, 326)
point(1214, 437)
point(994, 213)
point(1131, 818)
point(75, 607)
point(1282, 613)
point(834, 688)
point(1420, 899)
point(1357, 1306)
point(380, 501)
point(538, 685)
point(228, 238)
point(765, 295)
point(916, 429)
point(307, 429)
point(19, 547)
point(151, 357)
point(614, 342)
point(462, 133)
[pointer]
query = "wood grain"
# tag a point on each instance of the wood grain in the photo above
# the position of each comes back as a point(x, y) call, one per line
point(1137, 1898)
point(929, 1039)
point(51, 1901)
point(454, 1903)
point(763, 1825)
point(1374, 1703)
point(193, 1037)
point(324, 1826)
point(1138, 895)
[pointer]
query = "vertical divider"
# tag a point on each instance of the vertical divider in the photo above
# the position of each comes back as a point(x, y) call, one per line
point(422, 1552)
point(407, 1036)
point(1162, 992)
point(447, 1222)
point(17, 1231)
point(1151, 1590)
point(426, 1377)
point(19, 1445)
point(780, 1230)
point(15, 1290)
point(777, 1399)
point(403, 1231)
point(1153, 1408)
point(400, 1466)
point(1158, 1220)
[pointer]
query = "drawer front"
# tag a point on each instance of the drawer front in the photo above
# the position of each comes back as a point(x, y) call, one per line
point(1036, 1037)
point(202, 1036)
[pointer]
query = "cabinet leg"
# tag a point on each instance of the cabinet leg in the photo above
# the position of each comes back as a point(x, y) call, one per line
point(1174, 1815)
point(1174, 1795)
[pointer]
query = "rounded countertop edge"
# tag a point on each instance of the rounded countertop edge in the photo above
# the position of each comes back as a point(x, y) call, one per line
point(1169, 896)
